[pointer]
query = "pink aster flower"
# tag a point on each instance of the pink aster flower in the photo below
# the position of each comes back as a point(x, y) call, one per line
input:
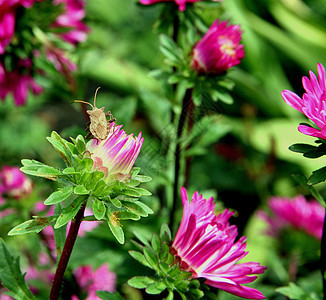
point(116, 155)
point(92, 281)
point(205, 245)
point(18, 82)
point(7, 19)
point(313, 102)
point(14, 182)
point(297, 213)
point(219, 49)
point(72, 18)
point(180, 3)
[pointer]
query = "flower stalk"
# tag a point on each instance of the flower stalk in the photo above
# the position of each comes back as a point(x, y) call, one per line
point(66, 252)
point(185, 107)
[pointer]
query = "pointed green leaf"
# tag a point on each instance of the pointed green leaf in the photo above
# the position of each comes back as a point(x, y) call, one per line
point(69, 212)
point(59, 196)
point(140, 258)
point(156, 288)
point(317, 176)
point(165, 233)
point(302, 148)
point(127, 215)
point(69, 171)
point(80, 144)
point(303, 181)
point(131, 192)
point(156, 244)
point(141, 238)
point(134, 206)
point(63, 151)
point(140, 282)
point(11, 276)
point(116, 202)
point(115, 226)
point(143, 178)
point(80, 190)
point(99, 209)
point(104, 295)
point(34, 225)
point(293, 292)
point(147, 209)
point(151, 258)
point(142, 192)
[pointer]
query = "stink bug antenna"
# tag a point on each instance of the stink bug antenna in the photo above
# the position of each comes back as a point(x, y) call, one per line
point(96, 95)
point(84, 102)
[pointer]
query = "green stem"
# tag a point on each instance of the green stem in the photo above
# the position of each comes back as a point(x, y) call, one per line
point(66, 252)
point(323, 257)
point(185, 106)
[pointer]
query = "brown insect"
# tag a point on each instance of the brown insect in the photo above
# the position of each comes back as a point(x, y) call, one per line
point(99, 125)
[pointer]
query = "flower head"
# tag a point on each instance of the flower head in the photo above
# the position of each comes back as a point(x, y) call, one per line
point(205, 245)
point(72, 18)
point(181, 3)
point(18, 82)
point(14, 183)
point(219, 49)
point(92, 281)
point(297, 213)
point(116, 155)
point(313, 102)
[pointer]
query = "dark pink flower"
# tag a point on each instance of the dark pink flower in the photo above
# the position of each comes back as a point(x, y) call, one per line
point(7, 19)
point(205, 245)
point(14, 182)
point(18, 82)
point(313, 102)
point(297, 213)
point(92, 281)
point(218, 50)
point(180, 3)
point(72, 18)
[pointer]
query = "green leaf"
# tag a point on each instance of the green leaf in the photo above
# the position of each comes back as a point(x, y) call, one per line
point(293, 292)
point(142, 192)
point(317, 176)
point(139, 257)
point(80, 190)
point(303, 181)
point(40, 170)
point(69, 212)
point(69, 171)
point(109, 296)
point(140, 282)
point(134, 207)
point(141, 238)
point(127, 215)
point(142, 178)
point(131, 192)
point(156, 288)
point(302, 148)
point(80, 144)
point(116, 202)
point(11, 276)
point(151, 258)
point(156, 244)
point(34, 225)
point(59, 196)
point(99, 209)
point(223, 96)
point(165, 233)
point(61, 148)
point(115, 227)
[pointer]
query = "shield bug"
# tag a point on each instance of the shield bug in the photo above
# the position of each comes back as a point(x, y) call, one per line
point(99, 125)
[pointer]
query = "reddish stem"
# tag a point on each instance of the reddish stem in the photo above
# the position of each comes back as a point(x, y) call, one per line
point(66, 252)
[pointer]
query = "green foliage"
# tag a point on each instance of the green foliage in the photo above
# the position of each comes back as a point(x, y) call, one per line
point(156, 256)
point(11, 276)
point(109, 296)
point(113, 201)
point(292, 291)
